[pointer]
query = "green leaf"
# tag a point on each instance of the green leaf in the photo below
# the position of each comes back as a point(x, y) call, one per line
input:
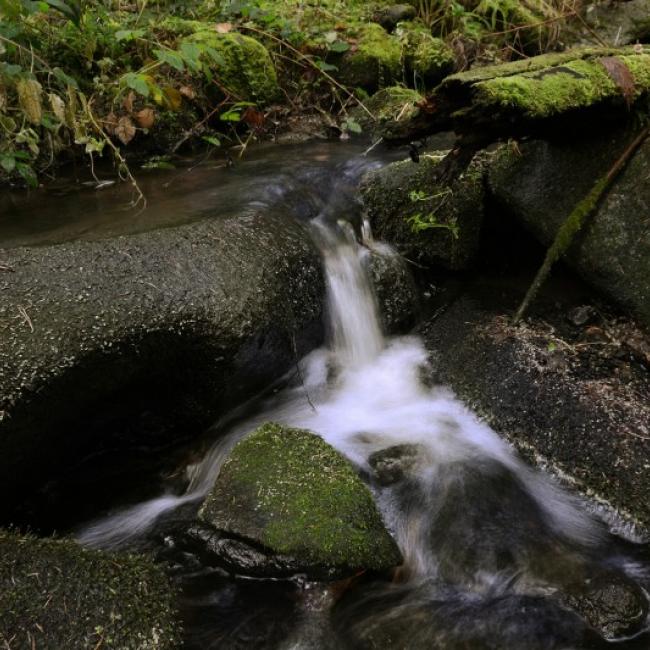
point(70, 9)
point(210, 139)
point(352, 125)
point(191, 54)
point(339, 46)
point(325, 67)
point(171, 58)
point(230, 116)
point(129, 34)
point(8, 163)
point(137, 82)
point(28, 174)
point(65, 79)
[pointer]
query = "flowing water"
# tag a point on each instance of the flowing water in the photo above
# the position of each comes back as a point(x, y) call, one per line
point(491, 547)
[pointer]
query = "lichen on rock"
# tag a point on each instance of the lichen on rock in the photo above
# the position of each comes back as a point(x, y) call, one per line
point(290, 492)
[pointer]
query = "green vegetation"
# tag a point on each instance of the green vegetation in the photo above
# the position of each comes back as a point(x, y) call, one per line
point(290, 491)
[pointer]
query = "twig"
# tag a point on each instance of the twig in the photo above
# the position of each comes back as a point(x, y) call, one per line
point(576, 220)
point(25, 316)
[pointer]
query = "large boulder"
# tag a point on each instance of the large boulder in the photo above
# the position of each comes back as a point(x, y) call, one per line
point(145, 337)
point(573, 398)
point(430, 222)
point(56, 594)
point(289, 495)
point(542, 181)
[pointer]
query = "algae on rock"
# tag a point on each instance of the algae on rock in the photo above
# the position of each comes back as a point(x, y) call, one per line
point(290, 492)
point(56, 594)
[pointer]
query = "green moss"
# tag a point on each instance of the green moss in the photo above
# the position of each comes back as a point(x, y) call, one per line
point(248, 70)
point(427, 60)
point(292, 492)
point(393, 108)
point(56, 594)
point(576, 84)
point(376, 62)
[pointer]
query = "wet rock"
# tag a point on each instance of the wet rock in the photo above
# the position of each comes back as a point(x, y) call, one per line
point(611, 604)
point(289, 493)
point(395, 290)
point(582, 417)
point(429, 222)
point(394, 464)
point(56, 594)
point(620, 23)
point(582, 315)
point(388, 17)
point(541, 184)
point(140, 340)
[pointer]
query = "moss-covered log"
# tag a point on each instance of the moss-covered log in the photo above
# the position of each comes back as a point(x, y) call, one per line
point(508, 98)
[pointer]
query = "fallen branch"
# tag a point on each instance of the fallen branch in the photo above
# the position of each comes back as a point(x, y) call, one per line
point(576, 220)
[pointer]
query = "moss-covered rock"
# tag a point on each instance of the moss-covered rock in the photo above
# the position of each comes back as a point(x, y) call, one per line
point(427, 59)
point(542, 183)
point(55, 594)
point(374, 62)
point(394, 110)
point(289, 492)
point(432, 223)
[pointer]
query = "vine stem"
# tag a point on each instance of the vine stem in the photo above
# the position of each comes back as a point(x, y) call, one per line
point(576, 220)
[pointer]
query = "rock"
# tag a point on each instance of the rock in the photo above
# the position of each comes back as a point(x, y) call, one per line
point(540, 186)
point(427, 59)
point(166, 327)
point(375, 62)
point(395, 290)
point(582, 417)
point(620, 23)
point(288, 492)
point(394, 464)
point(582, 315)
point(394, 109)
point(388, 17)
point(610, 603)
point(429, 223)
point(56, 594)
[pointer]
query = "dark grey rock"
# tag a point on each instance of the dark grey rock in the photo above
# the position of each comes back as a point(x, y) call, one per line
point(610, 603)
point(388, 17)
point(394, 464)
point(619, 23)
point(542, 183)
point(429, 223)
point(582, 315)
point(176, 324)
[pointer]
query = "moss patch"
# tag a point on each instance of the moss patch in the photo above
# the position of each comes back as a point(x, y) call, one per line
point(291, 492)
point(56, 594)
point(394, 109)
point(427, 60)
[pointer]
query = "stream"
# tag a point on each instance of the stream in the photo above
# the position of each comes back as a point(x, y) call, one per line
point(491, 546)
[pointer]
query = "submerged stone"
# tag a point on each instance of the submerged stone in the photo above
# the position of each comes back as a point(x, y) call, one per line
point(289, 493)
point(56, 594)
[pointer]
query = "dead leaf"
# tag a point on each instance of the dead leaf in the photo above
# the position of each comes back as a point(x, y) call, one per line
point(125, 130)
point(145, 118)
point(253, 118)
point(223, 28)
point(620, 74)
point(109, 123)
point(187, 91)
point(29, 97)
point(58, 107)
point(128, 102)
point(3, 98)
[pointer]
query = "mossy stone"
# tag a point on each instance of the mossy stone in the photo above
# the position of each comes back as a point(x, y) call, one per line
point(375, 61)
point(427, 59)
point(55, 594)
point(292, 493)
point(429, 222)
point(394, 109)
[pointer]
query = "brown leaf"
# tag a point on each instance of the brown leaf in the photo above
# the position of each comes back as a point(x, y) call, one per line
point(145, 118)
point(128, 102)
point(620, 74)
point(109, 123)
point(187, 91)
point(125, 130)
point(58, 107)
point(253, 118)
point(3, 98)
point(223, 28)
point(29, 97)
